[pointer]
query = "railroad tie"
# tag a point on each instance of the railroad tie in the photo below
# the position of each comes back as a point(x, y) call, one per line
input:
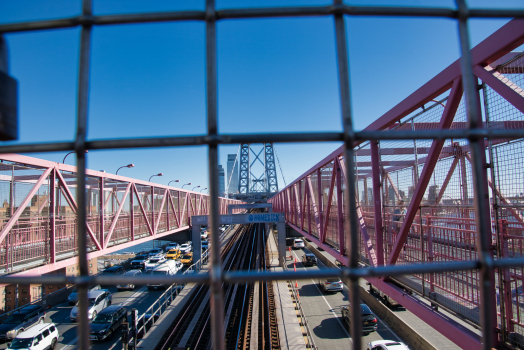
point(187, 335)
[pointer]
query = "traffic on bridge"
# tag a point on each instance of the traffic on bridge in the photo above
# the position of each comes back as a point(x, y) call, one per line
point(410, 234)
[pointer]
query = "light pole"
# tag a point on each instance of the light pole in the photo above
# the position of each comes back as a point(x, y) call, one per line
point(189, 183)
point(67, 155)
point(195, 187)
point(203, 189)
point(125, 166)
point(159, 174)
point(173, 181)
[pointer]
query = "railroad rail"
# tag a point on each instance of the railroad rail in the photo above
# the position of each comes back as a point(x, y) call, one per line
point(250, 320)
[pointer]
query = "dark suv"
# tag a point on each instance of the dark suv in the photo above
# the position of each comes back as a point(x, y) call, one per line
point(309, 259)
point(20, 320)
point(369, 321)
point(105, 324)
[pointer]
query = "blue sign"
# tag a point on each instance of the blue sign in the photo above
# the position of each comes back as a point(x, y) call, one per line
point(269, 217)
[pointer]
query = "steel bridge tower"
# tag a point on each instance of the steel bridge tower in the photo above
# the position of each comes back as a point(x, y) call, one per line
point(257, 176)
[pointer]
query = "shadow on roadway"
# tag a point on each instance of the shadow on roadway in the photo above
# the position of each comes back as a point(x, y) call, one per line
point(330, 328)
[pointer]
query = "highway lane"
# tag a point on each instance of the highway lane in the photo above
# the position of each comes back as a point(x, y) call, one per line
point(323, 312)
point(140, 298)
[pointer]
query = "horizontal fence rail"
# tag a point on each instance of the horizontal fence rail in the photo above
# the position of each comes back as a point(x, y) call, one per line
point(458, 248)
point(38, 221)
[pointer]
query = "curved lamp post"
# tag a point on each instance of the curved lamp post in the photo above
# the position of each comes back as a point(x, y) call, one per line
point(69, 154)
point(189, 183)
point(159, 174)
point(195, 187)
point(203, 189)
point(125, 166)
point(173, 181)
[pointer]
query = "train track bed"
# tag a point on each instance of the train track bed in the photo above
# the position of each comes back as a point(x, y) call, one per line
point(249, 309)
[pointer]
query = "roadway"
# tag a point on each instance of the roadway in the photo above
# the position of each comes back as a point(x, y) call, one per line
point(140, 298)
point(323, 312)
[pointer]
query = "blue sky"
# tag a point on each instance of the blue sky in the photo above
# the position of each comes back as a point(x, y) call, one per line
point(275, 75)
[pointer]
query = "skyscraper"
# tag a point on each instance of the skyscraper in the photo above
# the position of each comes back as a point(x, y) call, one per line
point(221, 182)
point(232, 174)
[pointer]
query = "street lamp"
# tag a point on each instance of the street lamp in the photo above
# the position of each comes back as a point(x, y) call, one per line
point(173, 181)
point(67, 155)
point(189, 183)
point(203, 189)
point(159, 174)
point(195, 187)
point(125, 166)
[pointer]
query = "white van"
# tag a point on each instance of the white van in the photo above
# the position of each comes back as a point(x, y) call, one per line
point(169, 268)
point(39, 337)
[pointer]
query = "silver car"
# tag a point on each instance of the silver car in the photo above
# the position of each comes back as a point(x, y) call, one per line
point(129, 286)
point(96, 301)
point(331, 284)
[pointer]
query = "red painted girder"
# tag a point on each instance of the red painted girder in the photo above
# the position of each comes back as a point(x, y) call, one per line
point(72, 203)
point(164, 197)
point(330, 197)
point(507, 38)
point(452, 330)
point(143, 211)
point(370, 250)
point(512, 93)
point(115, 219)
point(377, 202)
point(446, 120)
point(38, 271)
point(447, 179)
point(312, 200)
point(177, 220)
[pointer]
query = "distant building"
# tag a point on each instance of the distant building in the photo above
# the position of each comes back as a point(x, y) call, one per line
point(232, 174)
point(221, 180)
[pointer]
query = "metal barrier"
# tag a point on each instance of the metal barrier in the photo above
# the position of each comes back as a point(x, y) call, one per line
point(461, 76)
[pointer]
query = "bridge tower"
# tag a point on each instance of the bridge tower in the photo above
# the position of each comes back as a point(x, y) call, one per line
point(257, 173)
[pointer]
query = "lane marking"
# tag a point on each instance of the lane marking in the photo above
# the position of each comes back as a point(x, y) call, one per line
point(72, 342)
point(384, 323)
point(330, 307)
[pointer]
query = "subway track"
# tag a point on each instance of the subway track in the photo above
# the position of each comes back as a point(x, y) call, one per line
point(250, 321)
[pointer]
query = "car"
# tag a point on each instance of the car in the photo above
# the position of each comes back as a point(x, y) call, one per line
point(114, 270)
point(173, 254)
point(169, 268)
point(40, 337)
point(139, 261)
point(97, 301)
point(172, 245)
point(309, 259)
point(73, 297)
point(338, 263)
point(369, 321)
point(205, 246)
point(153, 262)
point(203, 235)
point(186, 248)
point(298, 244)
point(387, 345)
point(129, 286)
point(155, 252)
point(187, 259)
point(331, 284)
point(106, 323)
point(21, 320)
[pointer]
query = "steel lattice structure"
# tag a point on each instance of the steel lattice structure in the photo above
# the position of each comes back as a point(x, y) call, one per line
point(255, 185)
point(39, 223)
point(459, 77)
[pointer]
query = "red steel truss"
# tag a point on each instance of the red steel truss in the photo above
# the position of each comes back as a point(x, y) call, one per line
point(435, 222)
point(38, 220)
